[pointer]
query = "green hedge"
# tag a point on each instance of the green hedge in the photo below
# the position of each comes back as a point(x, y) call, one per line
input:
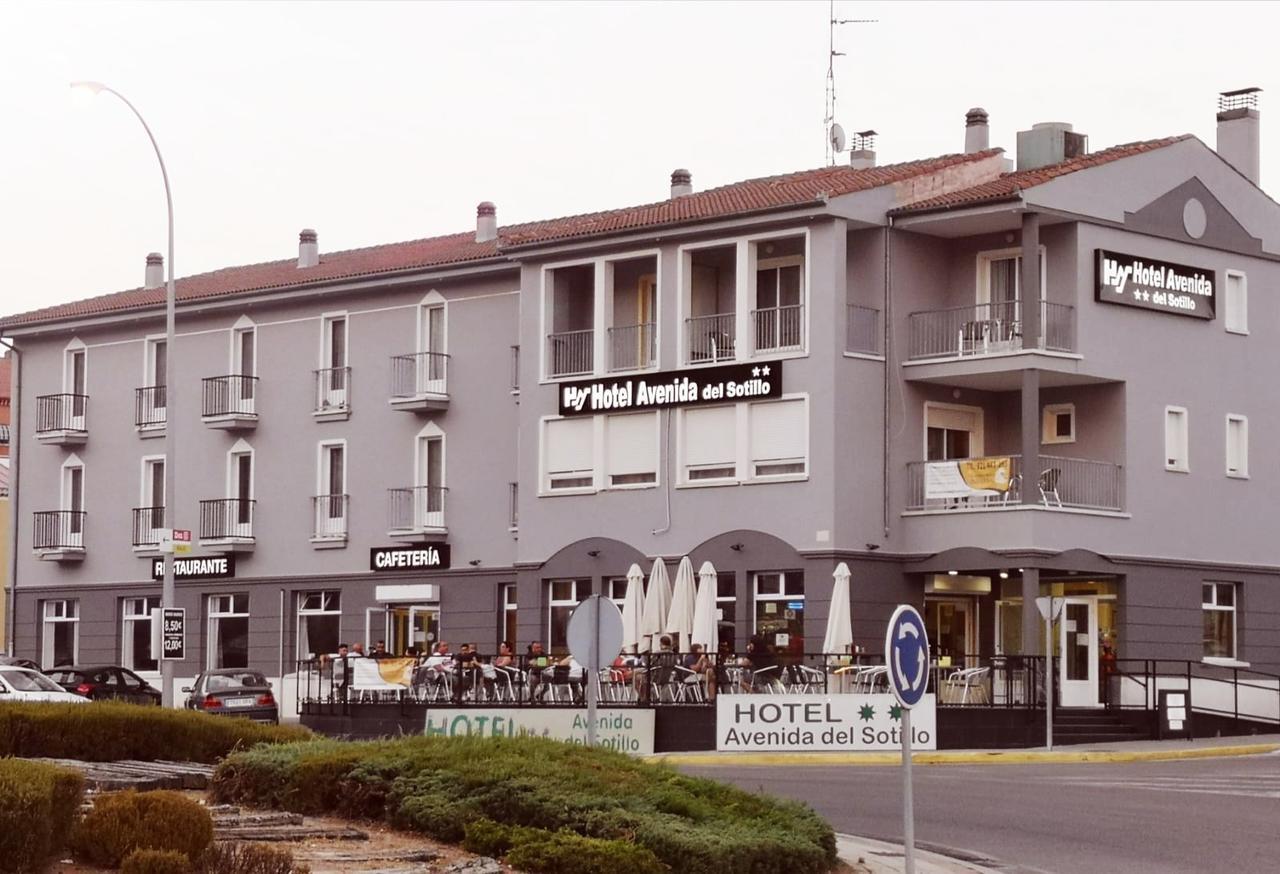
point(438, 785)
point(106, 731)
point(122, 823)
point(39, 804)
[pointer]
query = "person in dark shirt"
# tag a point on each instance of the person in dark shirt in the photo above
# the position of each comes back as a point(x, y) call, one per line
point(758, 661)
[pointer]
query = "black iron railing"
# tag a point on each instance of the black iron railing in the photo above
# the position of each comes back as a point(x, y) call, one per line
point(419, 374)
point(148, 523)
point(330, 515)
point(234, 395)
point(62, 412)
point(150, 406)
point(227, 519)
point(416, 508)
point(333, 389)
point(58, 529)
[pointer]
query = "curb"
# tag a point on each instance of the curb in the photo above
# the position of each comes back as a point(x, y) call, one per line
point(976, 757)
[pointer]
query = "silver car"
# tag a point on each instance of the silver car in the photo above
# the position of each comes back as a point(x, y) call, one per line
point(24, 684)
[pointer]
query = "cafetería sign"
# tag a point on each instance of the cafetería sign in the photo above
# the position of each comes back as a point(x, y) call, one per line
point(434, 556)
point(199, 567)
point(1156, 285)
point(672, 388)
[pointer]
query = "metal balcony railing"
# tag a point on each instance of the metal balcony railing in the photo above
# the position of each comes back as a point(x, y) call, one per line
point(419, 374)
point(988, 328)
point(778, 329)
point(416, 508)
point(233, 395)
point(227, 519)
point(862, 330)
point(148, 524)
point(61, 412)
point(1076, 483)
point(150, 406)
point(333, 389)
point(58, 529)
point(571, 353)
point(330, 515)
point(711, 338)
point(632, 347)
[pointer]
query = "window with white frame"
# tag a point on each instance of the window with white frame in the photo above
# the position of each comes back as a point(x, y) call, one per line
point(227, 636)
point(61, 637)
point(151, 508)
point(331, 490)
point(779, 438)
point(726, 610)
point(562, 597)
point(708, 437)
point(238, 516)
point(1000, 280)
point(508, 612)
point(1237, 446)
point(1058, 424)
point(1219, 609)
point(75, 371)
point(1237, 302)
point(152, 400)
point(333, 362)
point(1175, 439)
point(631, 449)
point(135, 634)
point(617, 590)
point(431, 374)
point(319, 620)
point(71, 529)
point(780, 610)
point(568, 452)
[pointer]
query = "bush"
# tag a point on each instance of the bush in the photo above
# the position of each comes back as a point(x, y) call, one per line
point(128, 821)
point(108, 731)
point(38, 805)
point(234, 858)
point(155, 862)
point(559, 803)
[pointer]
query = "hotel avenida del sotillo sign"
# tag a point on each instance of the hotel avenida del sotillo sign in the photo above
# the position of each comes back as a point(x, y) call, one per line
point(1130, 280)
point(753, 381)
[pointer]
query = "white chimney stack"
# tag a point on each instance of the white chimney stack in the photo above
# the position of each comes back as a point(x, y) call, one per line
point(308, 248)
point(681, 183)
point(155, 271)
point(862, 151)
point(1240, 131)
point(977, 134)
point(486, 222)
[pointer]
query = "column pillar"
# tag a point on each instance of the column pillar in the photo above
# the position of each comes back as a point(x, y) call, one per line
point(1031, 292)
point(1031, 621)
point(1030, 467)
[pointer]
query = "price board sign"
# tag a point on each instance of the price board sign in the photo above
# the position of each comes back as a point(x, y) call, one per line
point(173, 633)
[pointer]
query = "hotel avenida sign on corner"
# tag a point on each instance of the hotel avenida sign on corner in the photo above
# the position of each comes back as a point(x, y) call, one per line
point(753, 381)
point(1149, 284)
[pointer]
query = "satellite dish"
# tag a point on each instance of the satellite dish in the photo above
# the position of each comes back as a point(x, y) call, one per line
point(837, 137)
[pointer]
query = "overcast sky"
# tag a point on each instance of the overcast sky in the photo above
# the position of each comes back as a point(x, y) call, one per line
point(381, 122)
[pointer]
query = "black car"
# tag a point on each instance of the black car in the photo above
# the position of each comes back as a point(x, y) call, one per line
point(233, 692)
point(105, 683)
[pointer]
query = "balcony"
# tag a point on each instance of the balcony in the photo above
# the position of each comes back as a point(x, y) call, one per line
point(226, 524)
point(571, 353)
point(330, 525)
point(148, 526)
point(416, 512)
point(62, 420)
point(420, 382)
point(862, 330)
point(230, 402)
point(1063, 483)
point(333, 394)
point(633, 347)
point(150, 410)
point(710, 338)
point(778, 329)
point(988, 329)
point(58, 535)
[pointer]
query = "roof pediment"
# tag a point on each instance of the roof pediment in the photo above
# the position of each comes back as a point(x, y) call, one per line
point(1192, 207)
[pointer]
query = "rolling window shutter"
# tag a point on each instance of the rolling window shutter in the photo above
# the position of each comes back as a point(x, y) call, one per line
point(779, 430)
point(710, 436)
point(632, 444)
point(569, 445)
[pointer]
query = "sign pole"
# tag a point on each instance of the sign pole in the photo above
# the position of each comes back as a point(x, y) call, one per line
point(1048, 677)
point(906, 656)
point(908, 803)
point(593, 656)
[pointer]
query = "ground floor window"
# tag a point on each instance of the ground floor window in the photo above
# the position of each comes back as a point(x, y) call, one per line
point(228, 632)
point(780, 610)
point(726, 611)
point(952, 624)
point(563, 596)
point(319, 618)
point(61, 633)
point(507, 617)
point(135, 634)
point(1219, 607)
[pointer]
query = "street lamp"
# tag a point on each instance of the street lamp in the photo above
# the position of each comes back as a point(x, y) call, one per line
point(166, 592)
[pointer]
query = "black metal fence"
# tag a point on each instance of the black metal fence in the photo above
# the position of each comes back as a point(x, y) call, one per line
point(234, 395)
point(61, 412)
point(1220, 690)
point(150, 406)
point(147, 525)
point(58, 529)
point(226, 519)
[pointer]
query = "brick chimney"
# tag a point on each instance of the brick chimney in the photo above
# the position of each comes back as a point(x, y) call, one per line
point(486, 222)
point(977, 135)
point(681, 183)
point(1240, 131)
point(155, 271)
point(308, 248)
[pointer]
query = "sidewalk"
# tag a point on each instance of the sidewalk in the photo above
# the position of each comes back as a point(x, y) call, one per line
point(878, 857)
point(1127, 751)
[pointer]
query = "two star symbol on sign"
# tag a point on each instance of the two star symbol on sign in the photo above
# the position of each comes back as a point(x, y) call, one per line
point(866, 712)
point(760, 371)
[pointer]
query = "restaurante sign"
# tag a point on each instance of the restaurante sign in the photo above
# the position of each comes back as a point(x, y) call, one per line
point(1156, 285)
point(672, 388)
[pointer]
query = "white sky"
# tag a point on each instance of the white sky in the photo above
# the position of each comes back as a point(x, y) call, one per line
point(381, 122)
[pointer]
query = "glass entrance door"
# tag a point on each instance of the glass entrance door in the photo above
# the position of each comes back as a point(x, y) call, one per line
point(412, 625)
point(1078, 652)
point(951, 623)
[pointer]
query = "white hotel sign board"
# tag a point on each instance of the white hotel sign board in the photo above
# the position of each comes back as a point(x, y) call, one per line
point(821, 723)
point(627, 730)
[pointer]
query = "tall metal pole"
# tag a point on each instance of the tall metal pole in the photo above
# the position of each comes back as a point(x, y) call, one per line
point(1048, 677)
point(593, 656)
point(908, 803)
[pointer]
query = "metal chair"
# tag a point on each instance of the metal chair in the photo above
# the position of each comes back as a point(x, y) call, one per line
point(1049, 486)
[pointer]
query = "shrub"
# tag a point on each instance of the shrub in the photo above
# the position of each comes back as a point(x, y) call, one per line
point(109, 731)
point(161, 820)
point(38, 804)
point(236, 858)
point(566, 852)
point(155, 862)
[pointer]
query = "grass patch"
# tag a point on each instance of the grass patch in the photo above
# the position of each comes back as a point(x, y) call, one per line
point(551, 806)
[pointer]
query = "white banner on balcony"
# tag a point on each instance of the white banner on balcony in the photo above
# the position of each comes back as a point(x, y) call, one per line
point(845, 723)
point(969, 478)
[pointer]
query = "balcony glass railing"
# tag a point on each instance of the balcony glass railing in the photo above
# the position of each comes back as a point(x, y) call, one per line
point(999, 481)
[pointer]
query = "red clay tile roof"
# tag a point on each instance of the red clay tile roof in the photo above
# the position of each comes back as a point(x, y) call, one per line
point(753, 195)
point(1010, 185)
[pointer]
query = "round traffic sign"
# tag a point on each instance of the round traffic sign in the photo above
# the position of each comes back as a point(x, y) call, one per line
point(582, 629)
point(906, 655)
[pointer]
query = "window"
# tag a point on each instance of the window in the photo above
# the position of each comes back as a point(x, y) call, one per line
point(1000, 280)
point(1237, 446)
point(432, 369)
point(61, 645)
point(319, 618)
point(563, 596)
point(617, 590)
point(150, 513)
point(726, 611)
point(244, 365)
point(568, 453)
point(507, 614)
point(152, 399)
point(709, 437)
point(779, 311)
point(631, 449)
point(1175, 439)
point(240, 490)
point(334, 372)
point(135, 634)
point(1219, 607)
point(74, 373)
point(780, 610)
point(1059, 424)
point(1237, 303)
point(331, 491)
point(952, 431)
point(228, 633)
point(71, 520)
point(779, 438)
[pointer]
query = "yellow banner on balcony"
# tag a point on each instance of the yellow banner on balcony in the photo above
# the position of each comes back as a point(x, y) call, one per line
point(968, 478)
point(987, 474)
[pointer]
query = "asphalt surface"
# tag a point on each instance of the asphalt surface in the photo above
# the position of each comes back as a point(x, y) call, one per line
point(1192, 815)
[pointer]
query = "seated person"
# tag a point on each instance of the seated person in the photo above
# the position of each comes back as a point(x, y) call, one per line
point(703, 670)
point(657, 670)
point(466, 667)
point(758, 660)
point(536, 660)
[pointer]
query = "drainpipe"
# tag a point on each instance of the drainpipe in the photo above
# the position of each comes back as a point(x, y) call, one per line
point(888, 320)
point(15, 406)
point(667, 476)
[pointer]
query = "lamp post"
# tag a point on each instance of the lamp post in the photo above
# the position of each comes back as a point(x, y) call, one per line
point(167, 591)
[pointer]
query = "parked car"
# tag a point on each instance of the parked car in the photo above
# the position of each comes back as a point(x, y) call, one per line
point(233, 692)
point(16, 662)
point(105, 683)
point(25, 684)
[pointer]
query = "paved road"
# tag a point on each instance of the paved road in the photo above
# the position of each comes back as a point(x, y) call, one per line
point(1193, 816)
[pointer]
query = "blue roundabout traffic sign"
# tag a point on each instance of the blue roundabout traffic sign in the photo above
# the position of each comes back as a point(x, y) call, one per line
point(906, 655)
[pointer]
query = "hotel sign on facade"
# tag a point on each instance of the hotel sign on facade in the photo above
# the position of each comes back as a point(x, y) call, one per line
point(1130, 280)
point(672, 388)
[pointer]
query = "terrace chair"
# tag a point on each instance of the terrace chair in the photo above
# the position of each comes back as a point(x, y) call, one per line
point(688, 685)
point(767, 680)
point(1049, 486)
point(803, 679)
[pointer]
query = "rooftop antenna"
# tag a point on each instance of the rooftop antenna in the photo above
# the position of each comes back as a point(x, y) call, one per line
point(832, 132)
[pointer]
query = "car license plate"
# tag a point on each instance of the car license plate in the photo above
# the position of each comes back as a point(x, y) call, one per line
point(238, 702)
